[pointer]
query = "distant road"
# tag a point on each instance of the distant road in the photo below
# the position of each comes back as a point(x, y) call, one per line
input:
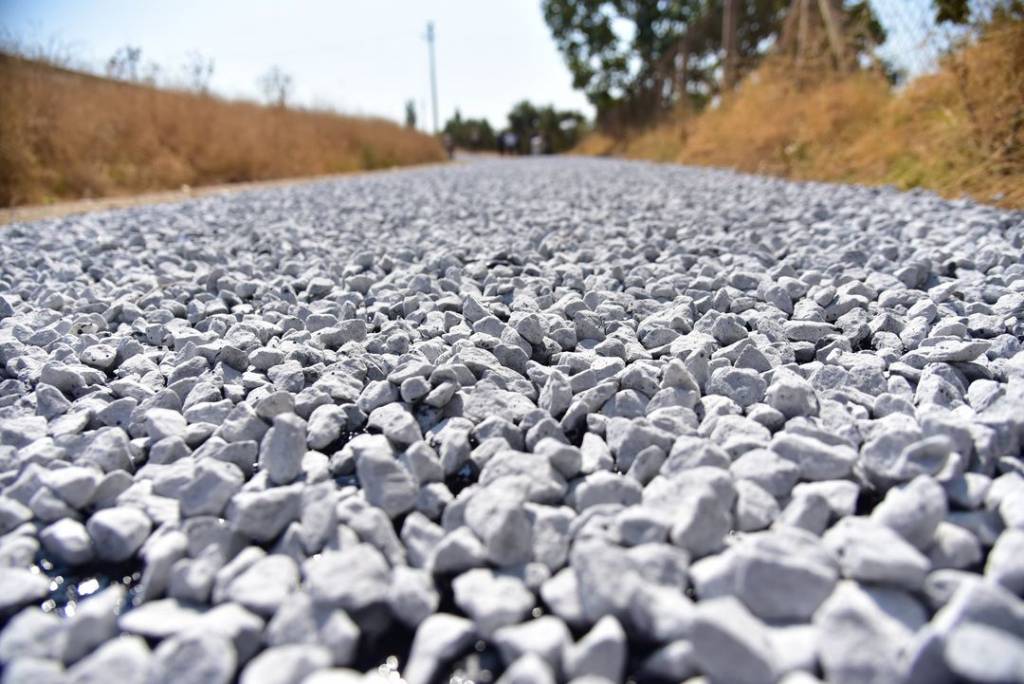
point(37, 212)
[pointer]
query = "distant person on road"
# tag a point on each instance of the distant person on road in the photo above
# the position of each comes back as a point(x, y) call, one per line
point(510, 141)
point(537, 145)
point(449, 145)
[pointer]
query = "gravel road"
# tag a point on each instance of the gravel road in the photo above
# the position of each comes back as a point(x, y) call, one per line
point(515, 420)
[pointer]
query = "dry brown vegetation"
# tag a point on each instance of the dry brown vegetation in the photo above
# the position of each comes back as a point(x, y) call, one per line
point(958, 131)
point(65, 134)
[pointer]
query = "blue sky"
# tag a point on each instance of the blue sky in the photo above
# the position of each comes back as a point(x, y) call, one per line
point(361, 56)
point(365, 56)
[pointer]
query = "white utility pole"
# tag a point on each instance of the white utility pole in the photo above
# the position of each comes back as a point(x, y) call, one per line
point(433, 71)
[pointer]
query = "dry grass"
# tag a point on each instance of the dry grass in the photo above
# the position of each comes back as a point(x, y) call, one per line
point(772, 126)
point(662, 142)
point(958, 132)
point(65, 135)
point(597, 144)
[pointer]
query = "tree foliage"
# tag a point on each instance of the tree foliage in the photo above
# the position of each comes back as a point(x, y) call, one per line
point(865, 30)
point(952, 11)
point(559, 129)
point(276, 86)
point(470, 134)
point(637, 58)
point(198, 72)
point(653, 52)
point(125, 63)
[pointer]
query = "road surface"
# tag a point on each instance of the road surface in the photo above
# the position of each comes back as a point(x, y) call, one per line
point(537, 418)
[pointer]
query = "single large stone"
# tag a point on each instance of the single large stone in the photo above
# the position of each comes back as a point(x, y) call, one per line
point(75, 485)
point(94, 622)
point(242, 425)
point(701, 521)
point(730, 644)
point(545, 483)
point(283, 447)
point(486, 400)
point(913, 510)
point(893, 456)
point(784, 575)
point(163, 423)
point(546, 637)
point(117, 533)
point(745, 386)
point(817, 460)
point(438, 639)
point(496, 515)
point(352, 578)
point(951, 351)
point(109, 449)
point(607, 579)
point(125, 660)
point(242, 627)
point(262, 516)
point(289, 664)
point(32, 633)
point(660, 613)
point(604, 487)
point(211, 488)
point(493, 601)
point(791, 395)
point(773, 473)
point(412, 597)
point(556, 395)
point(980, 653)
point(601, 653)
point(159, 619)
point(396, 423)
point(1005, 563)
point(870, 552)
point(863, 630)
point(326, 424)
point(266, 585)
point(68, 541)
point(194, 658)
point(386, 484)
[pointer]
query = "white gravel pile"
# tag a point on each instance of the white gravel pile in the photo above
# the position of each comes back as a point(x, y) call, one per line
point(530, 421)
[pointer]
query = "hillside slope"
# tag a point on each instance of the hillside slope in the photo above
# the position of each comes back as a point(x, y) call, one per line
point(959, 131)
point(65, 134)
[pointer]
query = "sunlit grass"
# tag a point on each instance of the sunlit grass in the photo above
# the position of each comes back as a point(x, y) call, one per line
point(959, 131)
point(65, 135)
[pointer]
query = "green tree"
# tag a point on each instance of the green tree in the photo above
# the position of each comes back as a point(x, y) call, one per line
point(470, 134)
point(952, 11)
point(559, 129)
point(635, 59)
point(671, 53)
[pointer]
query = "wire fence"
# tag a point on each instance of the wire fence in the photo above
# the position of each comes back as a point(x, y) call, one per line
point(915, 41)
